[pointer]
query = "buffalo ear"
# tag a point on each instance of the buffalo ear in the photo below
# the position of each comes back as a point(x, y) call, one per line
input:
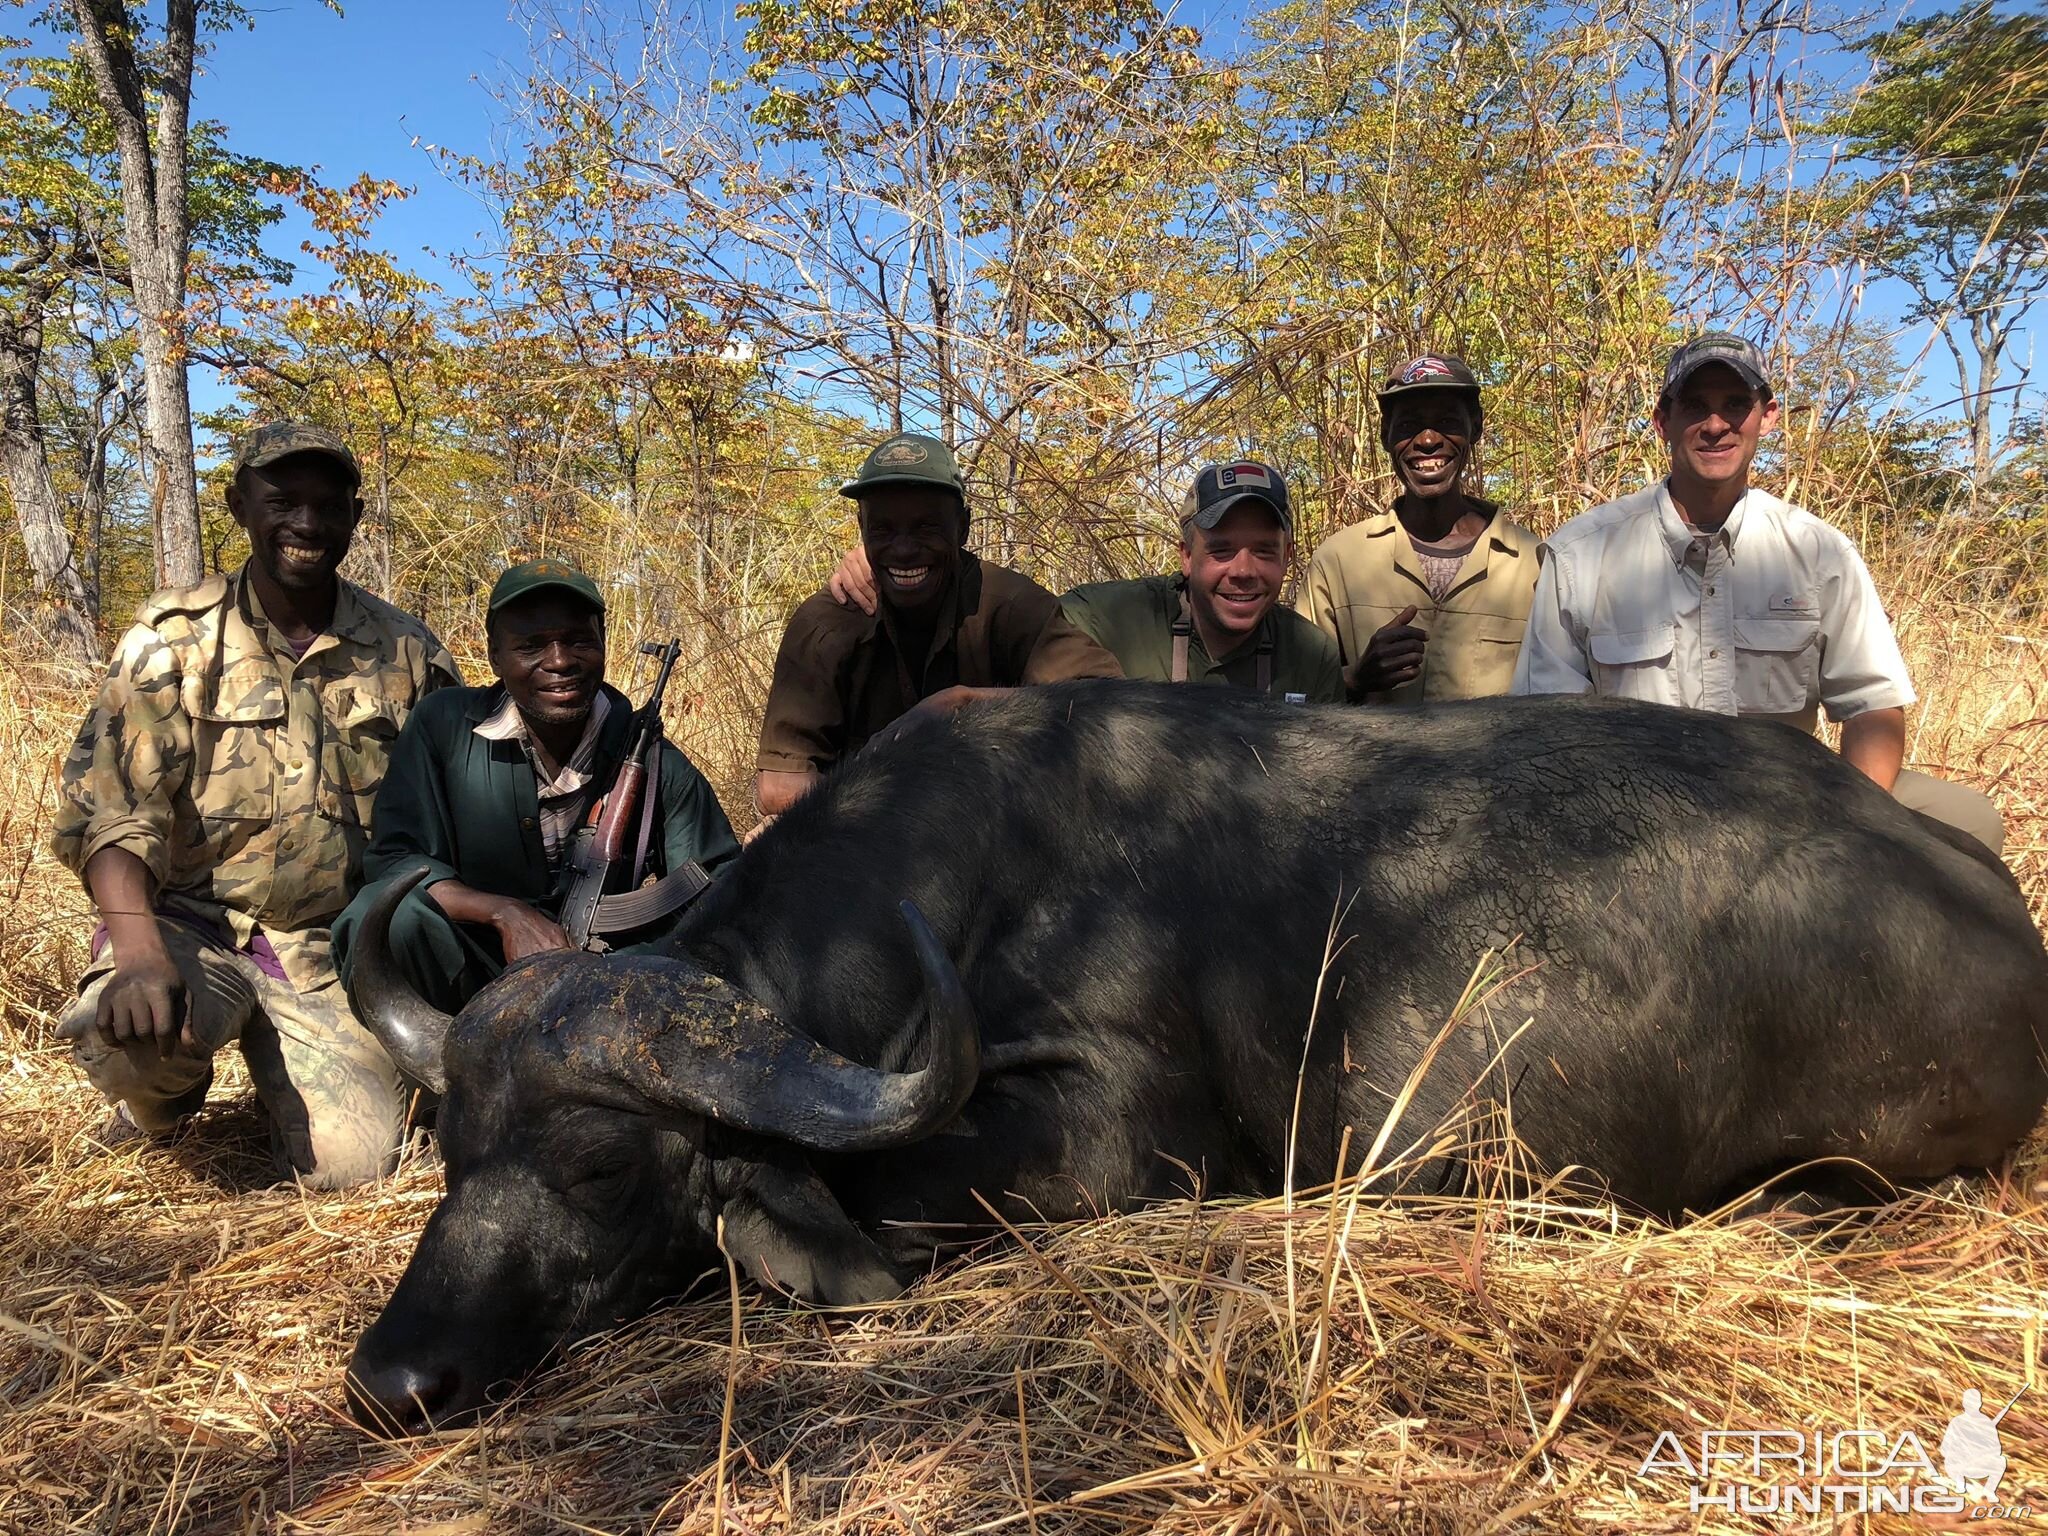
point(788, 1231)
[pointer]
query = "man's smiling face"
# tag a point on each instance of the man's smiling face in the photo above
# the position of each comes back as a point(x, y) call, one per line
point(1429, 437)
point(912, 537)
point(300, 513)
point(1712, 423)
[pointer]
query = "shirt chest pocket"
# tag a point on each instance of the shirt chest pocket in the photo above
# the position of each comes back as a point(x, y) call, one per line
point(361, 728)
point(1777, 664)
point(233, 784)
point(1633, 664)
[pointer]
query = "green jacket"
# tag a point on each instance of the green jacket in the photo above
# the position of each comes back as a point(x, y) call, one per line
point(469, 808)
point(1134, 620)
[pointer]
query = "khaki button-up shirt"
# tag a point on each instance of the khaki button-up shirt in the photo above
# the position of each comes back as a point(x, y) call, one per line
point(1363, 576)
point(1774, 613)
point(240, 774)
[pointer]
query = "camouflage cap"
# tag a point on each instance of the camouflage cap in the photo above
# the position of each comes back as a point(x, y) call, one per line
point(281, 439)
point(530, 576)
point(908, 458)
point(1725, 348)
point(1219, 487)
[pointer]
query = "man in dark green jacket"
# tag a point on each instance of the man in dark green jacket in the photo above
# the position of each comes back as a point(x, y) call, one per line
point(488, 788)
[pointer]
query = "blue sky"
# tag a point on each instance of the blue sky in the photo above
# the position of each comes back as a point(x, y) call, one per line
point(367, 90)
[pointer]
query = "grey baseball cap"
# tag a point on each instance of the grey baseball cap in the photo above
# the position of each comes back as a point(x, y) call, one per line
point(1219, 487)
point(1723, 347)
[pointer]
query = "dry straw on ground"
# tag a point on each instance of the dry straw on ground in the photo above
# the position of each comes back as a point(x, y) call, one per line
point(172, 1332)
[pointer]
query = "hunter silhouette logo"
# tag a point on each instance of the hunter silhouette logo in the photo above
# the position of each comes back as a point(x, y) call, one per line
point(901, 453)
point(1970, 1448)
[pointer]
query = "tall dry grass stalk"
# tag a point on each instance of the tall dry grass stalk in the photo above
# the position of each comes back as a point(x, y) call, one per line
point(173, 1330)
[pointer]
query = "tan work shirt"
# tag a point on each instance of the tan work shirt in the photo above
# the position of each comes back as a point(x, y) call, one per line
point(1774, 613)
point(841, 678)
point(1363, 576)
point(240, 774)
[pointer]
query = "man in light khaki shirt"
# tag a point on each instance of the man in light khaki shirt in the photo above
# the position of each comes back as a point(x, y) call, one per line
point(1426, 601)
point(1703, 592)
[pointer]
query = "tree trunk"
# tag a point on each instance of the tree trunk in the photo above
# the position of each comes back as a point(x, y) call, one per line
point(156, 222)
point(53, 567)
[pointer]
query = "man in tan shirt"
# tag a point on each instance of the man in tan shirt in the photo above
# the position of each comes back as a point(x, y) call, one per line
point(948, 628)
point(1427, 601)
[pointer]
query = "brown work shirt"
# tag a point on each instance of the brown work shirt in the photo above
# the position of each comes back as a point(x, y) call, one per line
point(841, 677)
point(1363, 576)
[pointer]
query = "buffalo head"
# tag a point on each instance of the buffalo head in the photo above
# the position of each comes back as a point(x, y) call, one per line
point(603, 1119)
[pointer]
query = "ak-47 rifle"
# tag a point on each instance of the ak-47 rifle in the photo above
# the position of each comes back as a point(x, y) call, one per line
point(601, 849)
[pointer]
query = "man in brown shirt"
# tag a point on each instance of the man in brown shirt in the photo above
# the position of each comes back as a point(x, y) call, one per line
point(948, 628)
point(1427, 601)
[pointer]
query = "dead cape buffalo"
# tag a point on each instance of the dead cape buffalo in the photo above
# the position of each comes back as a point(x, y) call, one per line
point(1739, 955)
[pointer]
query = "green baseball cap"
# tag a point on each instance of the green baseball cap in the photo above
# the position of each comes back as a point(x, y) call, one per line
point(281, 439)
point(908, 458)
point(530, 576)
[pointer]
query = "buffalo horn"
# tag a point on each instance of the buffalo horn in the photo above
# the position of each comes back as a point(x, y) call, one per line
point(713, 1052)
point(410, 1028)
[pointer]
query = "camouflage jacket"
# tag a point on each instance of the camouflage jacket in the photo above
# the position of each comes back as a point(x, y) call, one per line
point(241, 775)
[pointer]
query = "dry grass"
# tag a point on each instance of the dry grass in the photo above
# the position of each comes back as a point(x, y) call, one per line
point(172, 1332)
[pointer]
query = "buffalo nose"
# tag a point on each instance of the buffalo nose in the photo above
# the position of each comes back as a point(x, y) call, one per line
point(400, 1398)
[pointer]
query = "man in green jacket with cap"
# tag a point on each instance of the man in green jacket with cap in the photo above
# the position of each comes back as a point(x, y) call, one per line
point(488, 787)
point(1220, 620)
point(946, 628)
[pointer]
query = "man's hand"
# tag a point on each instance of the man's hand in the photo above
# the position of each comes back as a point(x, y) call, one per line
point(1393, 656)
point(145, 1000)
point(852, 584)
point(524, 931)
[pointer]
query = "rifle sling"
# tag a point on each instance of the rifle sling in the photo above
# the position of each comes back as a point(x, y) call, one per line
point(627, 910)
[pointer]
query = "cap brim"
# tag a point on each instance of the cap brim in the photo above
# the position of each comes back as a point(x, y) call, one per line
point(544, 584)
point(353, 470)
point(855, 489)
point(1211, 515)
point(1749, 373)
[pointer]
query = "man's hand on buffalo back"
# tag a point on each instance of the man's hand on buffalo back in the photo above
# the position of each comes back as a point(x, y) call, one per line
point(145, 1000)
point(852, 584)
point(524, 931)
point(1393, 656)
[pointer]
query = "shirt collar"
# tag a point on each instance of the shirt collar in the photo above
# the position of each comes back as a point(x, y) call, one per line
point(505, 723)
point(1677, 533)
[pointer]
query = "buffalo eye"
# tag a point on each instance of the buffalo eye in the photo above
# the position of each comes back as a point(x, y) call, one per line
point(602, 1184)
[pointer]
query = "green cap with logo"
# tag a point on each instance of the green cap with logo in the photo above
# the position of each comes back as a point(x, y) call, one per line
point(530, 576)
point(908, 458)
point(281, 439)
